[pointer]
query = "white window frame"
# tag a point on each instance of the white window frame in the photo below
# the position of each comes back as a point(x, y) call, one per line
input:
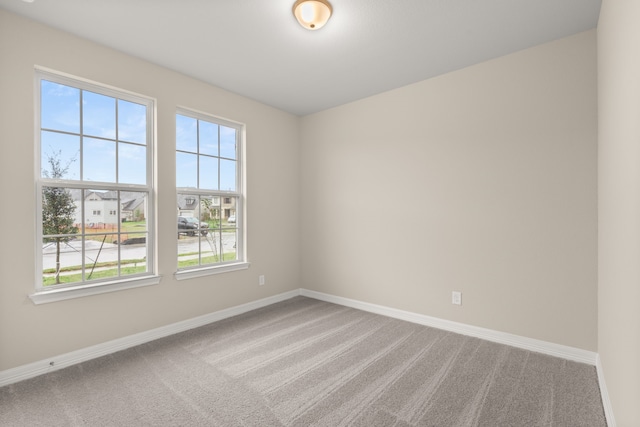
point(80, 289)
point(241, 261)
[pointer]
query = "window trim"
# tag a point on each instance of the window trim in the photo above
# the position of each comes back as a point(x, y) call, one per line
point(241, 262)
point(79, 289)
point(61, 294)
point(211, 270)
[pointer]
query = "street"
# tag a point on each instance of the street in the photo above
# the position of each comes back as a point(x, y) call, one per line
point(71, 252)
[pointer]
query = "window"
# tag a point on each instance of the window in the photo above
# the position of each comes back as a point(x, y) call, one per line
point(94, 155)
point(208, 170)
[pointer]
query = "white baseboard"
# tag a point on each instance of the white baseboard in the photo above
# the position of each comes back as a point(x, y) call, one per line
point(31, 370)
point(552, 349)
point(604, 393)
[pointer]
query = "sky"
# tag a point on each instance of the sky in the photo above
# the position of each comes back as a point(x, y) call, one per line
point(104, 139)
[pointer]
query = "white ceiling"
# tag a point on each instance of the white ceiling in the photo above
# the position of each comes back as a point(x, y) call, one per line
point(256, 47)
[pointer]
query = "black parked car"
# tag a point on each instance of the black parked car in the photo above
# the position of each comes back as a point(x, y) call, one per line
point(190, 226)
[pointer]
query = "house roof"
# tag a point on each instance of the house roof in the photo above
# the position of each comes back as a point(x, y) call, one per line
point(187, 202)
point(102, 195)
point(132, 204)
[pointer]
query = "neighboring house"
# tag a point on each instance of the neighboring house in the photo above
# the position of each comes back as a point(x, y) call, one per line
point(188, 204)
point(228, 207)
point(101, 207)
point(134, 209)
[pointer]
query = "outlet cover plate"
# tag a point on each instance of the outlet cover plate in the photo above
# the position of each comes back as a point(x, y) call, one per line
point(456, 298)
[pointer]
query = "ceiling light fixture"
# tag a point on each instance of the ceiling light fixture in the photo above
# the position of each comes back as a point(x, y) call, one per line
point(312, 14)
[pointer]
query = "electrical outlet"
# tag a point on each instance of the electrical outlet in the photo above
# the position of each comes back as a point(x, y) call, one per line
point(456, 298)
point(261, 280)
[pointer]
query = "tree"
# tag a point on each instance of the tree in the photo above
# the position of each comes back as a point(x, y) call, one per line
point(210, 210)
point(58, 209)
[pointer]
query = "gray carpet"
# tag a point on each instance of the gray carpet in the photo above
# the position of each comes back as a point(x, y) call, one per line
point(304, 362)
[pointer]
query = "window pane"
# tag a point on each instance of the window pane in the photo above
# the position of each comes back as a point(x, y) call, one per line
point(227, 142)
point(210, 211)
point(98, 205)
point(186, 170)
point(61, 250)
point(99, 160)
point(229, 244)
point(69, 267)
point(98, 115)
point(187, 205)
point(208, 138)
point(132, 163)
point(100, 255)
point(186, 134)
point(60, 107)
point(188, 251)
point(208, 173)
point(60, 211)
point(227, 175)
point(190, 229)
point(191, 226)
point(60, 155)
point(134, 210)
point(133, 254)
point(132, 122)
point(228, 211)
point(211, 250)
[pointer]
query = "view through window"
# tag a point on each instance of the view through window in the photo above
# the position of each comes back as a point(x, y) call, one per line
point(209, 197)
point(95, 185)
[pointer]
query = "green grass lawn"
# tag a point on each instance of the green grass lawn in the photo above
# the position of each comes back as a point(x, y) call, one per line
point(206, 260)
point(100, 274)
point(133, 226)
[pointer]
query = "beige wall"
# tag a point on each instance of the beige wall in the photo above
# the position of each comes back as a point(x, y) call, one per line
point(481, 180)
point(619, 206)
point(29, 333)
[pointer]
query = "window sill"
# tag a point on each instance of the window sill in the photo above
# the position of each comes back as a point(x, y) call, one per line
point(46, 296)
point(208, 271)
